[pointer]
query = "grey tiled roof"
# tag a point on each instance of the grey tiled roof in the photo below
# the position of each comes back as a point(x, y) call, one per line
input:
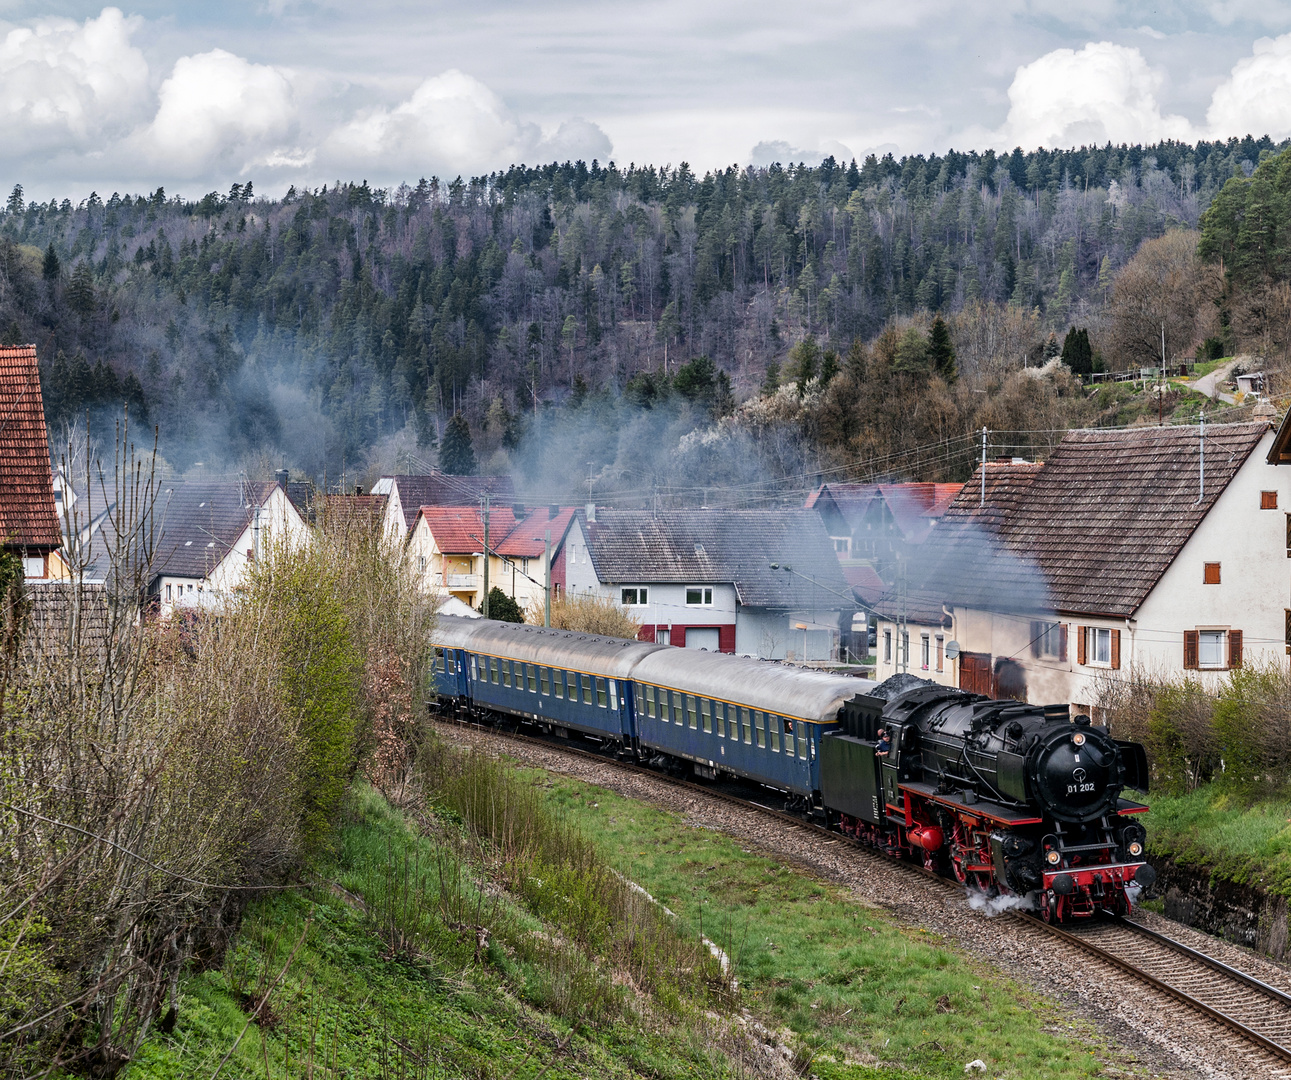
point(717, 546)
point(1089, 532)
point(441, 489)
point(199, 523)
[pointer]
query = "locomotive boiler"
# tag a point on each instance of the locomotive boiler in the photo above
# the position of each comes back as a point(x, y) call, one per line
point(1021, 798)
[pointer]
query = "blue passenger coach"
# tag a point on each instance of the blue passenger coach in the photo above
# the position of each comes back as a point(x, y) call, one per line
point(732, 714)
point(556, 678)
point(720, 714)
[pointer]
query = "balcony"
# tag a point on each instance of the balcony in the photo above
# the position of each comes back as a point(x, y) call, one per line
point(460, 581)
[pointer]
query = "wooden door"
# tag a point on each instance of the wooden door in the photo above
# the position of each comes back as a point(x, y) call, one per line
point(975, 673)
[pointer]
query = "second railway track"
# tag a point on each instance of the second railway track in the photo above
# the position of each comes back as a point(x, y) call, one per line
point(1243, 1007)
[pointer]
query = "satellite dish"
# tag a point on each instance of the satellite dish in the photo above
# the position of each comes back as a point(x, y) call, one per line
point(952, 649)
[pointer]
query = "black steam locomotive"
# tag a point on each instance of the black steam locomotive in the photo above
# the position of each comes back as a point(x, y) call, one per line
point(1008, 796)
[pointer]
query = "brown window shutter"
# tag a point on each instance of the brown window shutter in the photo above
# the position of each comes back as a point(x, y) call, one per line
point(1081, 635)
point(1190, 643)
point(1268, 500)
point(1210, 575)
point(1116, 648)
point(1234, 648)
point(1288, 628)
point(1037, 631)
point(1289, 536)
point(1062, 641)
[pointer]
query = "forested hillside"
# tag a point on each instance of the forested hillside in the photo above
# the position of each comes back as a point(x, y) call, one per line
point(339, 329)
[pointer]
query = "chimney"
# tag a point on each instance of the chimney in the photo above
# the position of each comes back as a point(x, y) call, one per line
point(358, 490)
point(591, 511)
point(280, 478)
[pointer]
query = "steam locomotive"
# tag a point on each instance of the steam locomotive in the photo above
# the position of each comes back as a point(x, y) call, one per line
point(1012, 798)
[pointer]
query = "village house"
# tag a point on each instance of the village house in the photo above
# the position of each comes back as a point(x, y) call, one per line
point(406, 495)
point(29, 525)
point(1162, 550)
point(208, 534)
point(878, 524)
point(447, 548)
point(760, 583)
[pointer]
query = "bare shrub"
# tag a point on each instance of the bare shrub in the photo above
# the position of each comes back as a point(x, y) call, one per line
point(587, 615)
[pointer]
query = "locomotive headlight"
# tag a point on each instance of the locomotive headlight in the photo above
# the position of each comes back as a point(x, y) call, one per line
point(1053, 858)
point(1136, 849)
point(1079, 738)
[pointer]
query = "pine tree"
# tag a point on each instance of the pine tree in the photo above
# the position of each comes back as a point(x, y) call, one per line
point(1076, 352)
point(51, 268)
point(941, 351)
point(456, 454)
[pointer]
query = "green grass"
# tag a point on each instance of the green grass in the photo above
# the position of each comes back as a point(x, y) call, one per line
point(1216, 829)
point(853, 985)
point(391, 979)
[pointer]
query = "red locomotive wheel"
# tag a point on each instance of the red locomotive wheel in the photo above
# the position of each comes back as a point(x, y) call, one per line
point(1046, 907)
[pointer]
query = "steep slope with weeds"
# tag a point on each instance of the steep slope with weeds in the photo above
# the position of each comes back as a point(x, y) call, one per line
point(156, 774)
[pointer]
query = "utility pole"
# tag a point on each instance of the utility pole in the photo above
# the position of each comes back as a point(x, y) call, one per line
point(485, 606)
point(983, 502)
point(546, 611)
point(1161, 381)
point(903, 630)
point(1201, 447)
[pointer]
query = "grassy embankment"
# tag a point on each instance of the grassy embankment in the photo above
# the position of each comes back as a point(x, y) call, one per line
point(1220, 829)
point(574, 974)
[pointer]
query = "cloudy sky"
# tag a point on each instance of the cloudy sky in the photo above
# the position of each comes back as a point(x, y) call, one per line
point(196, 97)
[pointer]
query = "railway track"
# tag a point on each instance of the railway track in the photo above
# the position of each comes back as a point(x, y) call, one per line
point(1249, 1010)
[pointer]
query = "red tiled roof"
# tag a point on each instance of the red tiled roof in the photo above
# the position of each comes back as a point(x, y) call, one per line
point(528, 538)
point(443, 489)
point(27, 514)
point(866, 584)
point(459, 530)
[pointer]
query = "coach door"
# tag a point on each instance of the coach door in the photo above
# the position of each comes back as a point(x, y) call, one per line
point(975, 673)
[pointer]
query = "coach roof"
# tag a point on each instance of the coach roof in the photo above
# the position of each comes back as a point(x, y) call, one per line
point(611, 657)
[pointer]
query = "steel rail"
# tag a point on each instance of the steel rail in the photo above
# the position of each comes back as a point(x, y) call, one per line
point(1184, 998)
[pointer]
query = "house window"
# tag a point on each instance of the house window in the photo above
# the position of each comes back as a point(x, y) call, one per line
point(1100, 645)
point(925, 653)
point(842, 545)
point(1268, 500)
point(168, 591)
point(941, 652)
point(1048, 639)
point(421, 564)
point(1211, 573)
point(663, 635)
point(635, 597)
point(1210, 649)
point(905, 647)
point(887, 646)
point(699, 596)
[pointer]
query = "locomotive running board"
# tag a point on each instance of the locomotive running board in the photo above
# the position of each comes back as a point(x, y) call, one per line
point(992, 811)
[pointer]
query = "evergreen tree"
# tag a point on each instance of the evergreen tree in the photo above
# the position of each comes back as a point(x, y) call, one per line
point(80, 290)
point(1051, 347)
point(15, 203)
point(911, 353)
point(456, 454)
point(1076, 352)
point(941, 351)
point(50, 268)
point(502, 607)
point(771, 381)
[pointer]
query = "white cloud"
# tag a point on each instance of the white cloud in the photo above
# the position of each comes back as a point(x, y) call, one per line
point(1254, 99)
point(67, 85)
point(217, 112)
point(770, 151)
point(1102, 92)
point(454, 123)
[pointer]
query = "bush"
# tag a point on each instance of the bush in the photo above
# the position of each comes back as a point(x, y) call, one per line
point(587, 615)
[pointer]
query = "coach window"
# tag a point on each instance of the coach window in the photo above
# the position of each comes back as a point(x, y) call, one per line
point(691, 711)
point(758, 729)
point(804, 739)
point(640, 700)
point(545, 677)
point(602, 698)
point(532, 674)
point(719, 719)
point(705, 716)
point(746, 722)
point(773, 732)
point(614, 695)
point(649, 700)
point(558, 683)
point(475, 676)
point(586, 682)
point(678, 710)
point(493, 671)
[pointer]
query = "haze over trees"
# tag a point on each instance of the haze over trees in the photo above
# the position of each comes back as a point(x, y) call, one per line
point(568, 311)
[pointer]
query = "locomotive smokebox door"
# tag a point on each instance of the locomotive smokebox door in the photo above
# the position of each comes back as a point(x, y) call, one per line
point(849, 777)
